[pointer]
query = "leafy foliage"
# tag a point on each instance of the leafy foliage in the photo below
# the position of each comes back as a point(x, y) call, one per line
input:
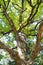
point(14, 8)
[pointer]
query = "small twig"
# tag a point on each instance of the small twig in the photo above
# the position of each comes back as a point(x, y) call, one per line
point(16, 4)
point(21, 11)
point(4, 33)
point(8, 4)
point(15, 7)
point(30, 3)
point(37, 24)
point(4, 2)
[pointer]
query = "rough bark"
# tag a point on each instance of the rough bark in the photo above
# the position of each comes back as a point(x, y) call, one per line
point(36, 49)
point(13, 54)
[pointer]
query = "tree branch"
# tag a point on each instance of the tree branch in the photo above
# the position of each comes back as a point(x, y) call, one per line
point(21, 12)
point(10, 22)
point(4, 2)
point(37, 46)
point(32, 14)
point(8, 4)
point(16, 4)
point(41, 48)
point(13, 54)
point(16, 7)
point(4, 33)
point(30, 3)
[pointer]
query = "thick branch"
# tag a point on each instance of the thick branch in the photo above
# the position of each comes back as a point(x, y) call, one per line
point(37, 46)
point(10, 22)
point(13, 54)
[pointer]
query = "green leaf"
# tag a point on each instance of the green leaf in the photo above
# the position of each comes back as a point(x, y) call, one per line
point(1, 56)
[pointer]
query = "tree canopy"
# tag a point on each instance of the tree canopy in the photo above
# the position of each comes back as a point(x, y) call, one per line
point(21, 32)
